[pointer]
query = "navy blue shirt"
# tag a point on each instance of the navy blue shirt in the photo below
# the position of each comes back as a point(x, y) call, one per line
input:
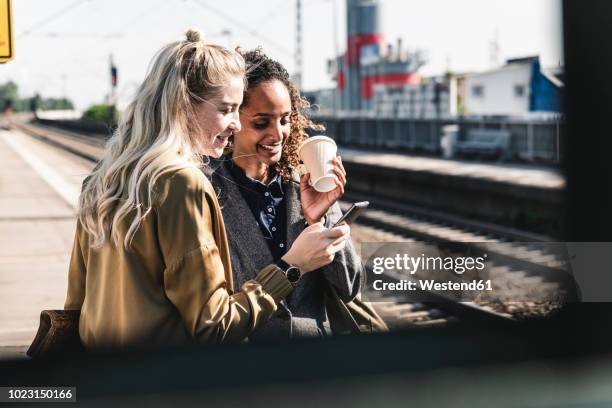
point(267, 203)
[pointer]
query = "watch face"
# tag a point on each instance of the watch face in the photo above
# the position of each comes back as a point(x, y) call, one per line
point(293, 274)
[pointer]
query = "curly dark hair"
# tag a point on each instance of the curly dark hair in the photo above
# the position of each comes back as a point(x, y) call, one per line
point(261, 68)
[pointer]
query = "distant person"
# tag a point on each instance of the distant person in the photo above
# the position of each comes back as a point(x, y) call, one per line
point(8, 107)
point(151, 263)
point(267, 206)
point(7, 115)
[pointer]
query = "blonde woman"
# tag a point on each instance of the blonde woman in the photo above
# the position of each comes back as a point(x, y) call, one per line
point(150, 264)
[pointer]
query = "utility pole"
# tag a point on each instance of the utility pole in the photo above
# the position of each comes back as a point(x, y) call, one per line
point(113, 79)
point(336, 54)
point(64, 78)
point(113, 97)
point(494, 50)
point(297, 76)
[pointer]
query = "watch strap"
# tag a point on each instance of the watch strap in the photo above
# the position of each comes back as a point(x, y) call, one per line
point(283, 265)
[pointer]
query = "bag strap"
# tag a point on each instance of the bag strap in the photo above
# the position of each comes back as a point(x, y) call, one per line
point(351, 317)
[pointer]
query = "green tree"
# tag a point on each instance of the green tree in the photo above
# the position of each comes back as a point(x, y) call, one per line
point(102, 113)
point(57, 104)
point(9, 96)
point(36, 102)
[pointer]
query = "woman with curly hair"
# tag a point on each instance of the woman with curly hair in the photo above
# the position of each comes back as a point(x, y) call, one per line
point(267, 206)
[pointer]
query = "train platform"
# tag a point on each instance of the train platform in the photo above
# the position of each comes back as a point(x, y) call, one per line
point(39, 189)
point(507, 173)
point(524, 197)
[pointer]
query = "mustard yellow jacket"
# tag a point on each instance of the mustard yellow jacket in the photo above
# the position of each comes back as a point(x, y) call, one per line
point(174, 285)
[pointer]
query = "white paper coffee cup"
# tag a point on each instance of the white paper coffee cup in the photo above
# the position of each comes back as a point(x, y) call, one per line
point(317, 153)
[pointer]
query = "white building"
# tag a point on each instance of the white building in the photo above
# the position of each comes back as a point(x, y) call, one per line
point(417, 101)
point(518, 88)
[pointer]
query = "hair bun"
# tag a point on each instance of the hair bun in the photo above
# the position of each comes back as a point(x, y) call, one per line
point(193, 35)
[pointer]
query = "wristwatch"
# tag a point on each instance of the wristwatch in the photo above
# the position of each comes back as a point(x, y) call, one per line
point(293, 273)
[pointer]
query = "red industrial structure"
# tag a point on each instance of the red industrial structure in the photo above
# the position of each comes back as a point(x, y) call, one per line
point(369, 60)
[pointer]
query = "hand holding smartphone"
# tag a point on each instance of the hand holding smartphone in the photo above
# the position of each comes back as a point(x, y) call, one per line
point(352, 213)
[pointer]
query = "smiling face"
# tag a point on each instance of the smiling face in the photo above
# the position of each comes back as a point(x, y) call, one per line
point(217, 118)
point(265, 124)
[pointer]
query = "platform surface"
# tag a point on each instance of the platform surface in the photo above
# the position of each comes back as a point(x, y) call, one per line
point(512, 173)
point(39, 187)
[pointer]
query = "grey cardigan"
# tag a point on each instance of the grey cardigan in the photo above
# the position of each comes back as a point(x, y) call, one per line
point(302, 313)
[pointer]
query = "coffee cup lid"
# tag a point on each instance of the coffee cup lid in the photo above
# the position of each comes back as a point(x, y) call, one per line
point(315, 138)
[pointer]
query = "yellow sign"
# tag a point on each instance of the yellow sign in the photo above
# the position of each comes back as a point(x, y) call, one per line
point(7, 51)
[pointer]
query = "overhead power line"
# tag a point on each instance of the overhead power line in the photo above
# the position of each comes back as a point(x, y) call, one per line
point(274, 11)
point(125, 27)
point(82, 35)
point(51, 17)
point(140, 17)
point(243, 27)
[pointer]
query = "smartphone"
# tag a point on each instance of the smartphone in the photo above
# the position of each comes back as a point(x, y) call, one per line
point(353, 212)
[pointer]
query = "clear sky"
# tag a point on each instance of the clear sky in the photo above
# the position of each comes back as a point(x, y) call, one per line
point(62, 47)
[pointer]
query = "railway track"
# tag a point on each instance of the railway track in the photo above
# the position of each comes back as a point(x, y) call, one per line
point(518, 258)
point(536, 272)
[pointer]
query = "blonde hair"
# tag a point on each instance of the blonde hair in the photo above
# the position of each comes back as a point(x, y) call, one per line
point(156, 135)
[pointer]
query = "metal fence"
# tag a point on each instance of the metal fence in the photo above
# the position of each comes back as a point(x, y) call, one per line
point(533, 140)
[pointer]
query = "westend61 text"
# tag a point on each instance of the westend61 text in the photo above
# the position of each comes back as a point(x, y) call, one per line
point(430, 284)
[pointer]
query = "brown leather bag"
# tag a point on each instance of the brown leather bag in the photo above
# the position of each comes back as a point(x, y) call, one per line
point(352, 317)
point(58, 333)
